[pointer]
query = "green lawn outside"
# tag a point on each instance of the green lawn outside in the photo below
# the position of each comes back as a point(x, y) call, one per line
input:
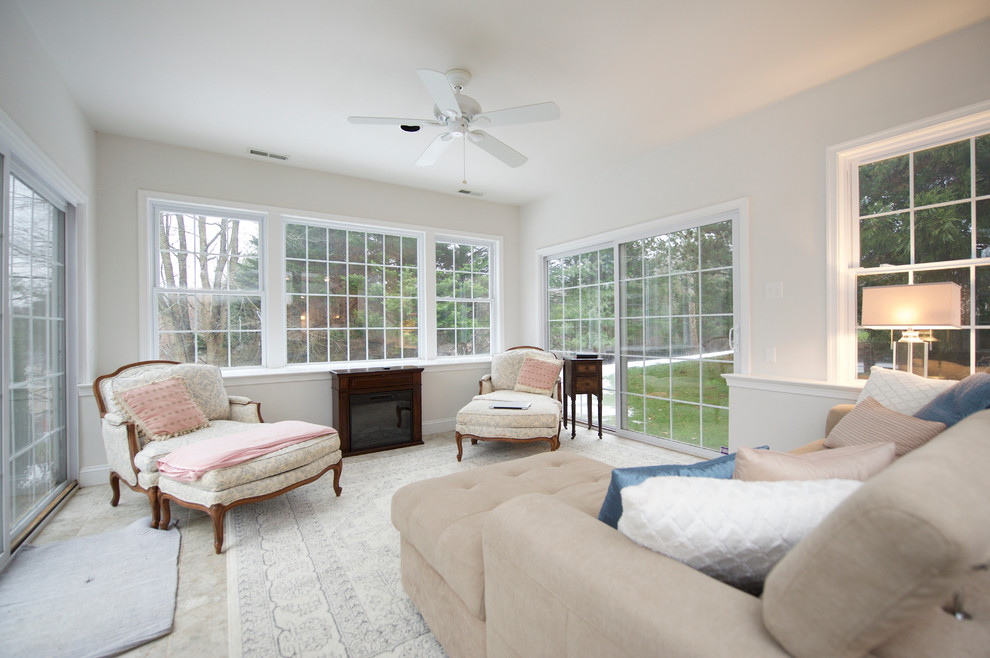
point(665, 401)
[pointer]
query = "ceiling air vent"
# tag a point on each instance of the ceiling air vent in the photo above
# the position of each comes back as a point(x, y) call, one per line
point(266, 154)
point(469, 193)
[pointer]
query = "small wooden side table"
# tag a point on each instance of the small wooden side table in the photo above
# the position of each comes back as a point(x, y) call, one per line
point(582, 376)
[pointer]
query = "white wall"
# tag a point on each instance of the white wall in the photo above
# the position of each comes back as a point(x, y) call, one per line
point(127, 166)
point(776, 157)
point(33, 95)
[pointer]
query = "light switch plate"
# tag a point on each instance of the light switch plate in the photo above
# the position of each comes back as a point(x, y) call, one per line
point(774, 289)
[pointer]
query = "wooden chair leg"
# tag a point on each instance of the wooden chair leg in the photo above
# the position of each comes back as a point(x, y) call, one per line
point(460, 448)
point(166, 513)
point(115, 489)
point(155, 512)
point(216, 513)
point(337, 468)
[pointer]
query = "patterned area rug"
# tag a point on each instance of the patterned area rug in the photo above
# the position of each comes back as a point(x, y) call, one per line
point(310, 574)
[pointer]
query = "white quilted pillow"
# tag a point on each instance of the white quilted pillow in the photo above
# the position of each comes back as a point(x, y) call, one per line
point(732, 530)
point(902, 391)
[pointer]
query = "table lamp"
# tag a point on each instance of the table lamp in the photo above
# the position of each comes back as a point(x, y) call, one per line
point(910, 308)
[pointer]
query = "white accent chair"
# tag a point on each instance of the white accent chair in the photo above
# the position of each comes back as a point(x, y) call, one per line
point(478, 421)
point(134, 460)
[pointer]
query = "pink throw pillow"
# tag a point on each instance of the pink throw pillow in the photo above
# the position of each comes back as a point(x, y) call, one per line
point(162, 409)
point(538, 375)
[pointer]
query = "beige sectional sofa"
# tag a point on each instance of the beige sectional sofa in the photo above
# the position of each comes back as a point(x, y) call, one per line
point(511, 560)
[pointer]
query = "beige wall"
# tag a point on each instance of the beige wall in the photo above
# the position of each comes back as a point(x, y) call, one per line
point(776, 158)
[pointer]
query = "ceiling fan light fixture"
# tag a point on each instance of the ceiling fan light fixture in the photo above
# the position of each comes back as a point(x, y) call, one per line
point(458, 115)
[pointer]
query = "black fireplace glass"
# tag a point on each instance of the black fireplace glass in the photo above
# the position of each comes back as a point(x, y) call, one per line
point(381, 419)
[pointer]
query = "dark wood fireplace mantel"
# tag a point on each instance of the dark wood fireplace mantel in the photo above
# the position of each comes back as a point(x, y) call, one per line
point(377, 408)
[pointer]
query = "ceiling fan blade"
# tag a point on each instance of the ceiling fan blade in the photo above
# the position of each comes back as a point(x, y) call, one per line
point(435, 150)
point(389, 121)
point(440, 90)
point(499, 149)
point(523, 114)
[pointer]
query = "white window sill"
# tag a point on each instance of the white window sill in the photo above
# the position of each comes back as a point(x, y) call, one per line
point(323, 370)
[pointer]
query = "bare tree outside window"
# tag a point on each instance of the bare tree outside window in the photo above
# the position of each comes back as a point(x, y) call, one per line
point(209, 287)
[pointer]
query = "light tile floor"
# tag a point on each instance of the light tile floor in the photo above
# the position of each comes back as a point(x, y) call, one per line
point(200, 627)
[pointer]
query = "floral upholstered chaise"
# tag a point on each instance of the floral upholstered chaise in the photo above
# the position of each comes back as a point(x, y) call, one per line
point(133, 455)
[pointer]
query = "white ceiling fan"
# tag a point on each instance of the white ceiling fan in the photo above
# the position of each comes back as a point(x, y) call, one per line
point(461, 116)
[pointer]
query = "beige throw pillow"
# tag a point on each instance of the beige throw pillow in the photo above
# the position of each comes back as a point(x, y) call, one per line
point(858, 462)
point(870, 422)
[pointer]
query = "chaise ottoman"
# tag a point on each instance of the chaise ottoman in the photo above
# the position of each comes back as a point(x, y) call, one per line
point(440, 522)
point(481, 419)
point(257, 479)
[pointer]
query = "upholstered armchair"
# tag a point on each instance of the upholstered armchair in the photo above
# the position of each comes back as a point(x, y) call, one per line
point(522, 375)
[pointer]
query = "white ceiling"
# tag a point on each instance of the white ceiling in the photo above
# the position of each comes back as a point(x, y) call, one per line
point(629, 76)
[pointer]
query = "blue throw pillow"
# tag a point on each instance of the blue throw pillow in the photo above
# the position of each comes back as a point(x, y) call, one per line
point(720, 467)
point(967, 397)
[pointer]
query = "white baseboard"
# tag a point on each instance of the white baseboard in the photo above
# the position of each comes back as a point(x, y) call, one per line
point(93, 476)
point(439, 426)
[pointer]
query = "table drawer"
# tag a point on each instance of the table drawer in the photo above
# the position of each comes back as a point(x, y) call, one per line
point(585, 385)
point(587, 368)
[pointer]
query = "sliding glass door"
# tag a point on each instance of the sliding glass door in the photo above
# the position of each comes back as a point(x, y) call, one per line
point(34, 382)
point(659, 308)
point(676, 315)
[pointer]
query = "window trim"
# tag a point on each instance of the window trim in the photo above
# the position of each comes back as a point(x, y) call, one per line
point(841, 211)
point(494, 294)
point(158, 205)
point(291, 218)
point(274, 296)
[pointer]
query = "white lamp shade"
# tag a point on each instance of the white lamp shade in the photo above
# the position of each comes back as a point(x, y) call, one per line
point(917, 306)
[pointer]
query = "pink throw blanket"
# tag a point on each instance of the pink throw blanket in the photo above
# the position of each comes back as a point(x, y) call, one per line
point(189, 462)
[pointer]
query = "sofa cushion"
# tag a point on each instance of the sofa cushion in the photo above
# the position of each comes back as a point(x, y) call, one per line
point(267, 465)
point(162, 409)
point(952, 405)
point(732, 530)
point(543, 413)
point(611, 510)
point(857, 462)
point(871, 422)
point(894, 549)
point(901, 391)
point(538, 375)
point(443, 517)
point(147, 458)
point(205, 384)
point(506, 367)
